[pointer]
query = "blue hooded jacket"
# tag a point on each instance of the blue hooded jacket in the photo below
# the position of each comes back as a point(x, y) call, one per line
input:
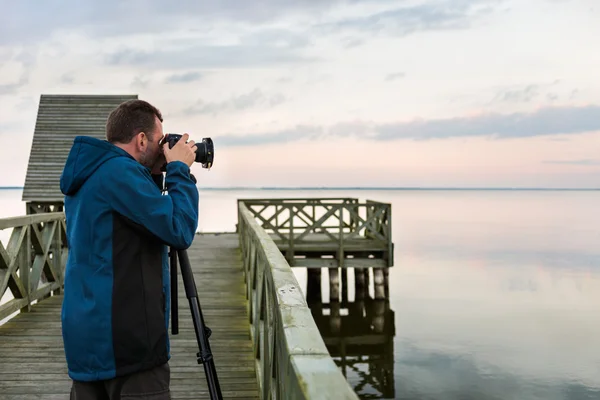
point(117, 290)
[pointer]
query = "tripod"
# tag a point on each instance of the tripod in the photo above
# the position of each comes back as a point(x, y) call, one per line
point(204, 356)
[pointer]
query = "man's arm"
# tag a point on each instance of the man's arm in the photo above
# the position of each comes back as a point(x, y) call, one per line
point(172, 218)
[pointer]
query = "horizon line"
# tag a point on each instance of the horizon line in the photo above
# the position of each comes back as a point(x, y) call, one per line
point(399, 188)
point(373, 188)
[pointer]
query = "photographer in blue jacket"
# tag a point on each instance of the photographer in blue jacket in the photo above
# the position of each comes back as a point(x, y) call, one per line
point(119, 223)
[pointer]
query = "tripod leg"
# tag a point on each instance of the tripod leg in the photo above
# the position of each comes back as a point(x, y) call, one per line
point(174, 299)
point(202, 332)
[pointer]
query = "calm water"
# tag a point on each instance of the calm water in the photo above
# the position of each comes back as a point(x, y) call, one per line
point(495, 293)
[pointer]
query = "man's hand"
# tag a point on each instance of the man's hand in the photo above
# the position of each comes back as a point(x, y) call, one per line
point(182, 151)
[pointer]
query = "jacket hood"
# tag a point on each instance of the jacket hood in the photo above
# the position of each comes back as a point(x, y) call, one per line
point(85, 157)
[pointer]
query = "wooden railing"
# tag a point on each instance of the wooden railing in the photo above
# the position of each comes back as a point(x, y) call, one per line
point(32, 264)
point(343, 224)
point(291, 358)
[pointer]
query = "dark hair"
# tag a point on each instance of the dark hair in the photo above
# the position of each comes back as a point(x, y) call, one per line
point(129, 119)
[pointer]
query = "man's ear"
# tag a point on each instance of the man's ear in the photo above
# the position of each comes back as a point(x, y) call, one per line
point(141, 140)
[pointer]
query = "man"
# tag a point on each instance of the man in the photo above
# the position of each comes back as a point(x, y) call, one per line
point(116, 299)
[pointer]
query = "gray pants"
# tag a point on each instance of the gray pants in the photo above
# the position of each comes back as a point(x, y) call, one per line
point(145, 385)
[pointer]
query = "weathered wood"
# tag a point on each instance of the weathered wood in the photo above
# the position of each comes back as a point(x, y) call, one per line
point(291, 357)
point(332, 263)
point(32, 363)
point(320, 228)
point(25, 220)
point(60, 118)
point(32, 263)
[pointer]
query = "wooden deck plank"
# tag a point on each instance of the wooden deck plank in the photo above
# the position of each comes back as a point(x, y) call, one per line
point(322, 242)
point(32, 363)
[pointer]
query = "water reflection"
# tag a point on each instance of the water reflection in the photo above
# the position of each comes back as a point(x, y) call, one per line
point(466, 333)
point(359, 335)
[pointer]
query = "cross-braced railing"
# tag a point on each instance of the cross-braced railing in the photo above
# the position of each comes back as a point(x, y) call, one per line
point(32, 263)
point(344, 224)
point(291, 358)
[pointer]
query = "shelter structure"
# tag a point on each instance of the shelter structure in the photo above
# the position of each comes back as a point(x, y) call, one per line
point(60, 118)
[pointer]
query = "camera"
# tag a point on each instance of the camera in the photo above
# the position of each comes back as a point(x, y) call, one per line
point(205, 150)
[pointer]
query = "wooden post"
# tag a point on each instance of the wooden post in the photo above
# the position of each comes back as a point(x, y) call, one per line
point(360, 283)
point(334, 284)
point(344, 285)
point(368, 280)
point(378, 313)
point(335, 320)
point(341, 239)
point(379, 281)
point(386, 284)
point(313, 285)
point(25, 267)
point(57, 256)
point(291, 237)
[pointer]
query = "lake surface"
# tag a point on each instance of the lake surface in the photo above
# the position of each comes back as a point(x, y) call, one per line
point(495, 294)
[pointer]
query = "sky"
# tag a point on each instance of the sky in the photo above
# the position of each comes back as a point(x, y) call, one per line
point(425, 93)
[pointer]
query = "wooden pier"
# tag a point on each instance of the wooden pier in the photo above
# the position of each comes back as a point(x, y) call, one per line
point(328, 232)
point(265, 340)
point(32, 361)
point(334, 233)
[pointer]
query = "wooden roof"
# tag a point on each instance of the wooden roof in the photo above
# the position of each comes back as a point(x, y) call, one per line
point(60, 118)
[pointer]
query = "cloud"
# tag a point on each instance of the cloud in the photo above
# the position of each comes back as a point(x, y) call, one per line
point(290, 135)
point(185, 77)
point(27, 21)
point(584, 162)
point(280, 38)
point(542, 122)
point(9, 88)
point(5, 127)
point(545, 121)
point(222, 48)
point(15, 70)
point(67, 78)
point(351, 42)
point(393, 77)
point(140, 82)
point(11, 127)
point(242, 102)
point(402, 21)
point(526, 93)
point(206, 56)
point(212, 35)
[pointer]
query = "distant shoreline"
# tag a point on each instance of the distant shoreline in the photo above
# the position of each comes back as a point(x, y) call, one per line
point(516, 189)
point(403, 189)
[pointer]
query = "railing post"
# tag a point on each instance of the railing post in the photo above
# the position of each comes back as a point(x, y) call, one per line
point(57, 255)
point(25, 266)
point(341, 239)
point(341, 256)
point(290, 255)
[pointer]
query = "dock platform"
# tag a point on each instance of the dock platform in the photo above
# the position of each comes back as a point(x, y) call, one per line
point(32, 360)
point(328, 232)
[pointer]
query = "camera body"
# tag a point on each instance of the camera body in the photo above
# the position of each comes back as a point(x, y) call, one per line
point(205, 150)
